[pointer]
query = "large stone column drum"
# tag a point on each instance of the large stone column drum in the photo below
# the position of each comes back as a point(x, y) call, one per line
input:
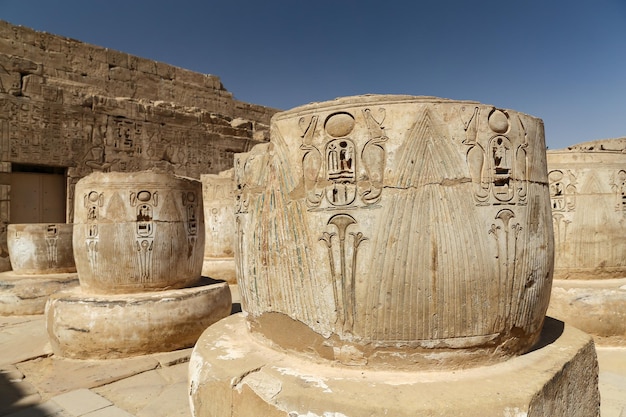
point(382, 236)
point(42, 262)
point(392, 227)
point(138, 243)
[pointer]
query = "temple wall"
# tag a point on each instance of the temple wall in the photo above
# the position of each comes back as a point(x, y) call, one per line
point(84, 108)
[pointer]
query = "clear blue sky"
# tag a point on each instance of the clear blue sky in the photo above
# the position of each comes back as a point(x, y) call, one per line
point(561, 60)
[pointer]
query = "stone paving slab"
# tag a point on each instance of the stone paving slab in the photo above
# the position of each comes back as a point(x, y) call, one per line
point(81, 401)
point(154, 385)
point(52, 376)
point(47, 409)
point(22, 338)
point(15, 391)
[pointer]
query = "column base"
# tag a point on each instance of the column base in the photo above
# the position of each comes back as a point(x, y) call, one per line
point(97, 326)
point(597, 307)
point(220, 268)
point(26, 294)
point(232, 373)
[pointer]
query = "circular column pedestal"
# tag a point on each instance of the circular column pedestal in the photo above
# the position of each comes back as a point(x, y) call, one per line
point(99, 326)
point(26, 294)
point(594, 306)
point(234, 374)
point(220, 268)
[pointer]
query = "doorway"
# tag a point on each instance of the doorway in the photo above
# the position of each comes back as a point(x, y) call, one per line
point(37, 194)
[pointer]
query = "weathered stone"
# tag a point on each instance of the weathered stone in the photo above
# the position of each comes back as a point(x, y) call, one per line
point(27, 294)
point(71, 105)
point(22, 338)
point(396, 231)
point(41, 248)
point(588, 194)
point(219, 222)
point(136, 232)
point(99, 326)
point(139, 245)
point(43, 263)
point(233, 373)
point(594, 306)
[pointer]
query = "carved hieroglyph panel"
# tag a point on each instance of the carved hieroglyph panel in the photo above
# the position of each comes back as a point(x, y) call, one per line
point(588, 198)
point(218, 193)
point(41, 248)
point(138, 232)
point(398, 221)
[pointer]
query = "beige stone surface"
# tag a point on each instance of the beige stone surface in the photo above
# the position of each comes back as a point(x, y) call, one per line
point(27, 294)
point(98, 326)
point(54, 375)
point(68, 104)
point(611, 360)
point(219, 222)
point(154, 393)
point(588, 195)
point(41, 248)
point(137, 232)
point(597, 307)
point(22, 338)
point(232, 372)
point(396, 231)
point(612, 381)
point(81, 401)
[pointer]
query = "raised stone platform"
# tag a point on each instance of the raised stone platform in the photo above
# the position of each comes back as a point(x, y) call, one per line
point(597, 307)
point(234, 374)
point(220, 268)
point(99, 326)
point(26, 294)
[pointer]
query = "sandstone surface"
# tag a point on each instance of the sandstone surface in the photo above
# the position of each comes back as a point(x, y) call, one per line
point(396, 231)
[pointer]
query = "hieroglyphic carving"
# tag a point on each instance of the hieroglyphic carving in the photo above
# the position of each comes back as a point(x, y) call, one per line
point(506, 235)
point(562, 190)
point(618, 185)
point(498, 167)
point(127, 136)
point(52, 237)
point(338, 167)
point(392, 171)
point(373, 156)
point(344, 281)
point(93, 201)
point(144, 202)
point(189, 200)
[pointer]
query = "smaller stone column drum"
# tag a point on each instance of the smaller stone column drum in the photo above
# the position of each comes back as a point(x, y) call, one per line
point(382, 229)
point(139, 244)
point(41, 248)
point(137, 232)
point(588, 198)
point(219, 222)
point(43, 263)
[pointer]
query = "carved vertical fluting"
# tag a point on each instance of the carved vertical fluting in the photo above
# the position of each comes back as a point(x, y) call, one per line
point(436, 259)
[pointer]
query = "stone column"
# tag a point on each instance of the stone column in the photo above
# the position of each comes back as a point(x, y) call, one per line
point(588, 200)
point(219, 220)
point(138, 244)
point(386, 235)
point(42, 263)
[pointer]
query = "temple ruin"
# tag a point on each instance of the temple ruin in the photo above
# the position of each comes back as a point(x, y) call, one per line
point(68, 109)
